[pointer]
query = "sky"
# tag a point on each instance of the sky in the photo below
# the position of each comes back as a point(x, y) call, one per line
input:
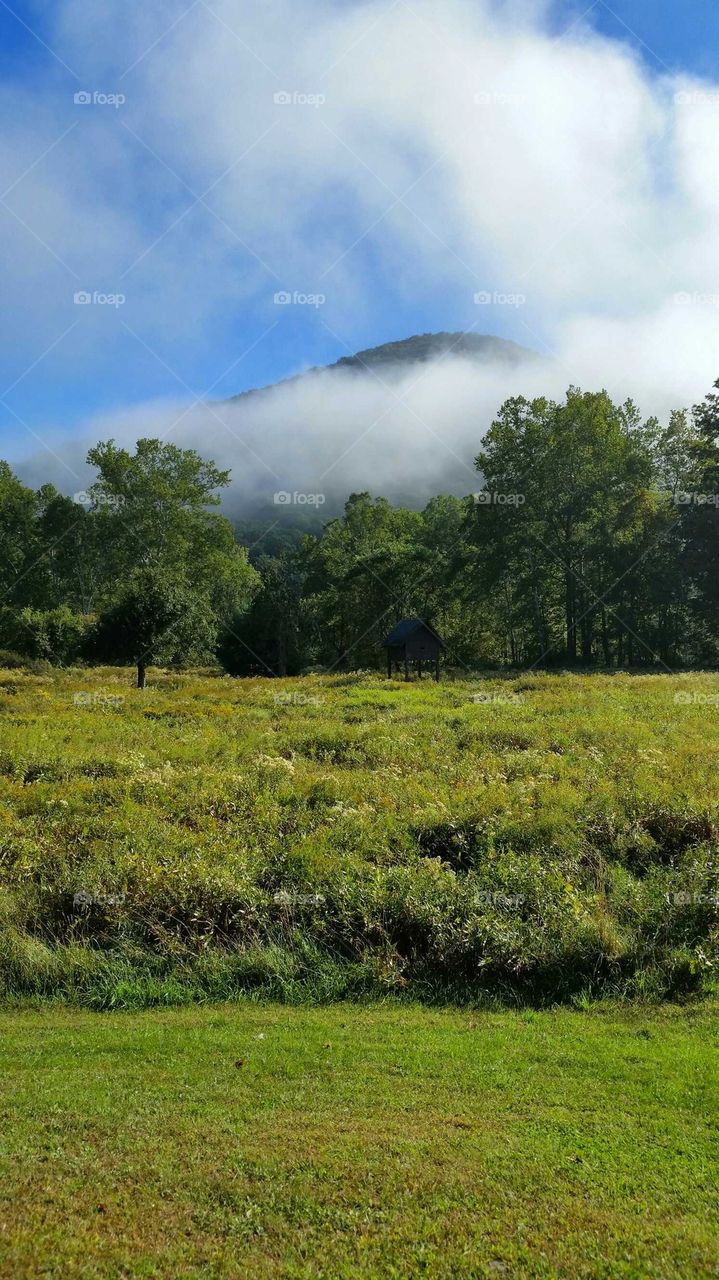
point(212, 196)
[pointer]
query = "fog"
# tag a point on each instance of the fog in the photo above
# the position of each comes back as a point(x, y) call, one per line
point(404, 432)
point(383, 154)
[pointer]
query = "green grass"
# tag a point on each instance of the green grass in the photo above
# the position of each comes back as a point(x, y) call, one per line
point(359, 1141)
point(344, 836)
point(298, 849)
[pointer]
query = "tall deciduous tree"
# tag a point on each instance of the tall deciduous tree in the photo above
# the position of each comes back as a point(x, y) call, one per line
point(155, 509)
point(19, 544)
point(155, 619)
point(177, 570)
point(701, 521)
point(564, 483)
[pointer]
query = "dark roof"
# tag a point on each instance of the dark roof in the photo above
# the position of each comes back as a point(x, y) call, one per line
point(406, 628)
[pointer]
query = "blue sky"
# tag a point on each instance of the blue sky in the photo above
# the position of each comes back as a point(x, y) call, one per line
point(664, 33)
point(199, 308)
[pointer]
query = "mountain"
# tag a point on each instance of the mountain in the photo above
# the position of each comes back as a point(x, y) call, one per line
point(429, 346)
point(420, 349)
point(404, 419)
point(322, 425)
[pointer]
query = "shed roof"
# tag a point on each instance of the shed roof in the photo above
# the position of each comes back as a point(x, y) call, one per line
point(401, 633)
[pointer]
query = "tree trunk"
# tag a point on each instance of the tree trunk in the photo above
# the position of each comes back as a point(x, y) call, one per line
point(536, 605)
point(663, 638)
point(587, 638)
point(141, 674)
point(605, 640)
point(282, 659)
point(569, 610)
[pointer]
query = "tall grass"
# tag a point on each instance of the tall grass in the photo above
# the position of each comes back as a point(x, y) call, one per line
point(351, 836)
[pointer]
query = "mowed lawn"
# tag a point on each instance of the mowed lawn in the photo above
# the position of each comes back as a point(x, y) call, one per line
point(379, 1140)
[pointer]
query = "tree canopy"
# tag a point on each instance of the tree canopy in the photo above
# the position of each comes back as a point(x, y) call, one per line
point(592, 538)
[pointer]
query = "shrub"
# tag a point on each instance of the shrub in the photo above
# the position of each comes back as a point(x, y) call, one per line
point(50, 635)
point(11, 661)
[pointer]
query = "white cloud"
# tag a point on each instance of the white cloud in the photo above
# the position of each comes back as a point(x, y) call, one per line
point(559, 167)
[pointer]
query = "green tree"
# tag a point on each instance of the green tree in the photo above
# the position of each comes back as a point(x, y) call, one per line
point(700, 523)
point(360, 578)
point(153, 509)
point(270, 637)
point(74, 554)
point(19, 546)
point(564, 483)
point(156, 619)
point(159, 535)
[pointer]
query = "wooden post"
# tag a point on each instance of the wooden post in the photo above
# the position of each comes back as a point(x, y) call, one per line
point(436, 668)
point(419, 668)
point(406, 667)
point(389, 664)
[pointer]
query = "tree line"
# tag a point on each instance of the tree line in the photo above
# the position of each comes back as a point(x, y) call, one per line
point(592, 539)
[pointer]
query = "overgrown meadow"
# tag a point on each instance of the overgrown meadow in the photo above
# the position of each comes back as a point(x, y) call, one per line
point(529, 840)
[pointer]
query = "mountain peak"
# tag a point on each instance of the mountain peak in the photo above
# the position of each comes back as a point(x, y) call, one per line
point(422, 347)
point(418, 349)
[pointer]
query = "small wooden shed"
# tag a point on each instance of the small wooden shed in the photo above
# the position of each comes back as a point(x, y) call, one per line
point(413, 640)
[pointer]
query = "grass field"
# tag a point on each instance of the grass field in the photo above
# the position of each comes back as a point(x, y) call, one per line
point(359, 1141)
point(342, 836)
point(368, 875)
